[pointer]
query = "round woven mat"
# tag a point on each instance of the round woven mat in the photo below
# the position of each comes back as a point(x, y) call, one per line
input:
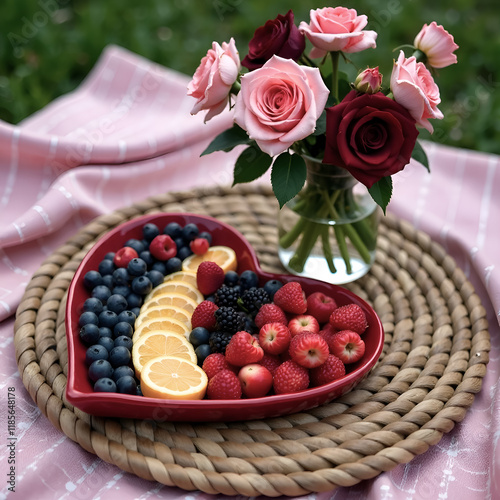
point(434, 359)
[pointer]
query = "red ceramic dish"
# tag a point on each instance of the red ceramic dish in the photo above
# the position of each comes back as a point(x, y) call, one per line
point(79, 391)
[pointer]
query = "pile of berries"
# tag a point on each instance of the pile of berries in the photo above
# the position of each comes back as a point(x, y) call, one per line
point(255, 341)
point(117, 289)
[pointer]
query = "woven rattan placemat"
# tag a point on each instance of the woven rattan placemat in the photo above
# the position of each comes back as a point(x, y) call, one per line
point(434, 359)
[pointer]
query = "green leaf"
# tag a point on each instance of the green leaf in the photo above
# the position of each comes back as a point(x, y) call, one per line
point(344, 85)
point(420, 155)
point(227, 140)
point(320, 124)
point(251, 164)
point(288, 175)
point(381, 192)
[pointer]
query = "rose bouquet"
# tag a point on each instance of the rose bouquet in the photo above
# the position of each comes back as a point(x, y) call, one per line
point(292, 108)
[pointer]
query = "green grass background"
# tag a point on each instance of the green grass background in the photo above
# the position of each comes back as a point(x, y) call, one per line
point(47, 47)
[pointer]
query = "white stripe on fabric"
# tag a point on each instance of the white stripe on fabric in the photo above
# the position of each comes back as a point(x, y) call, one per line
point(19, 230)
point(485, 202)
point(45, 216)
point(11, 178)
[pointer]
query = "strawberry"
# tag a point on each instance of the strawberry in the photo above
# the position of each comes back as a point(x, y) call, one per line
point(214, 363)
point(224, 385)
point(309, 349)
point(349, 317)
point(291, 298)
point(270, 313)
point(348, 346)
point(320, 306)
point(330, 370)
point(290, 377)
point(209, 277)
point(270, 361)
point(243, 349)
point(204, 315)
point(274, 338)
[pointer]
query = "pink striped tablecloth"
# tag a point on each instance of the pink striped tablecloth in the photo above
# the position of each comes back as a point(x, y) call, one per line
point(126, 133)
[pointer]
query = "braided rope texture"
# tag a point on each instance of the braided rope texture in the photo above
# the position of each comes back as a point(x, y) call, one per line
point(434, 359)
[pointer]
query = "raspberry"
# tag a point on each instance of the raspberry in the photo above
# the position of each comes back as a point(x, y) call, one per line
point(330, 370)
point(291, 298)
point(204, 315)
point(224, 385)
point(349, 317)
point(270, 361)
point(214, 363)
point(229, 320)
point(253, 299)
point(227, 296)
point(327, 332)
point(274, 338)
point(209, 277)
point(243, 349)
point(270, 313)
point(218, 341)
point(309, 349)
point(290, 377)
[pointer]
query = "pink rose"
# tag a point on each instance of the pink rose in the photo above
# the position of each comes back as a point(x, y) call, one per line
point(414, 88)
point(369, 81)
point(437, 44)
point(280, 103)
point(337, 29)
point(213, 79)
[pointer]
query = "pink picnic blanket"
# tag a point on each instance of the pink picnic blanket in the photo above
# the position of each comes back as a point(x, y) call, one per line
point(126, 133)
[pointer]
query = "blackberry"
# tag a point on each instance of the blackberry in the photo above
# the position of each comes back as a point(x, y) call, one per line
point(227, 296)
point(218, 341)
point(253, 299)
point(229, 319)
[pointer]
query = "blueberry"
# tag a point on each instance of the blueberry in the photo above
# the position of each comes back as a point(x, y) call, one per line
point(108, 319)
point(107, 280)
point(173, 265)
point(137, 245)
point(89, 334)
point(92, 305)
point(127, 317)
point(150, 231)
point(106, 342)
point(92, 279)
point(141, 285)
point(136, 311)
point(104, 331)
point(248, 279)
point(88, 317)
point(106, 267)
point(137, 267)
point(100, 368)
point(126, 385)
point(190, 232)
point(105, 385)
point(199, 336)
point(94, 353)
point(184, 252)
point(125, 341)
point(180, 243)
point(134, 300)
point(119, 355)
point(139, 391)
point(101, 292)
point(160, 266)
point(210, 298)
point(122, 290)
point(173, 229)
point(110, 255)
point(117, 303)
point(207, 236)
point(272, 286)
point(231, 278)
point(147, 258)
point(122, 371)
point(121, 276)
point(123, 328)
point(202, 351)
point(155, 277)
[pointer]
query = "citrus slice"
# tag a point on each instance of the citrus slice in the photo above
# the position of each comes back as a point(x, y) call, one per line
point(154, 344)
point(175, 287)
point(179, 276)
point(224, 256)
point(171, 299)
point(160, 312)
point(170, 325)
point(169, 377)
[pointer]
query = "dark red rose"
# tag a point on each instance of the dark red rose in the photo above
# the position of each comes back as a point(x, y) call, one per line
point(372, 136)
point(278, 37)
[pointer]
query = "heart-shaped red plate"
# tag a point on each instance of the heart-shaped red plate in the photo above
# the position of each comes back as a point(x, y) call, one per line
point(79, 391)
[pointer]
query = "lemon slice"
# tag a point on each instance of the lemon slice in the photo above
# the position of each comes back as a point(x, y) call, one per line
point(185, 277)
point(169, 325)
point(224, 256)
point(171, 299)
point(160, 312)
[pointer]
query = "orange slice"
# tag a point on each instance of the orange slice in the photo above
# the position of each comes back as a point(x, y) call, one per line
point(171, 299)
point(179, 276)
point(224, 256)
point(155, 344)
point(160, 312)
point(170, 325)
point(169, 377)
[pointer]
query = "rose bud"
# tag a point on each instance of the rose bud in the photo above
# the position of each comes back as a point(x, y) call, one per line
point(369, 81)
point(437, 45)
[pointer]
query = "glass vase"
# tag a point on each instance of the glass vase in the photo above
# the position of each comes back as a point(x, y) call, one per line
point(329, 230)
